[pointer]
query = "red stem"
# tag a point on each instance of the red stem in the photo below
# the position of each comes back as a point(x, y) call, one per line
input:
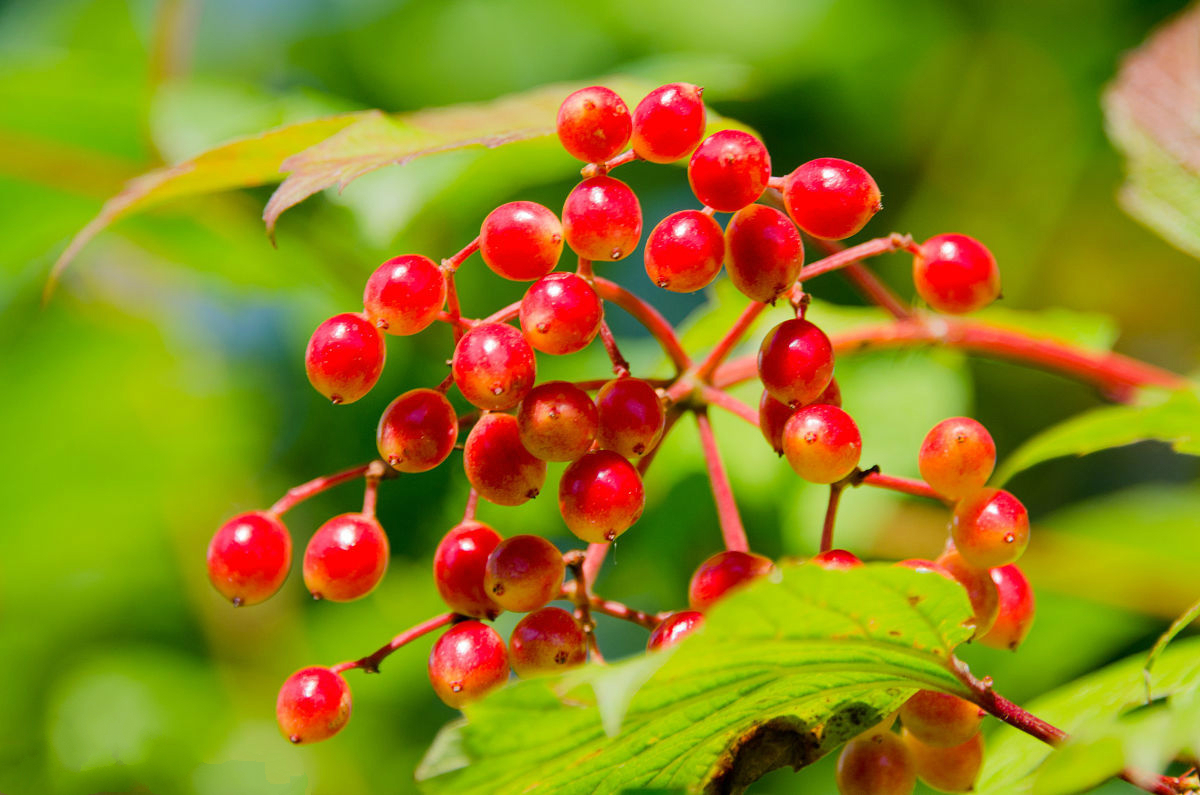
point(452, 306)
point(649, 317)
point(620, 365)
point(913, 486)
point(722, 399)
point(452, 263)
point(845, 257)
point(600, 169)
point(727, 512)
point(370, 496)
point(299, 494)
point(876, 291)
point(505, 314)
point(472, 504)
point(835, 496)
point(612, 608)
point(730, 340)
point(370, 663)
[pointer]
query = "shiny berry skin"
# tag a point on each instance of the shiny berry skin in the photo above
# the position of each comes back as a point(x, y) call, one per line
point(822, 443)
point(772, 416)
point(466, 662)
point(602, 219)
point(523, 573)
point(600, 496)
point(498, 466)
point(249, 557)
point(1017, 609)
point(313, 705)
point(723, 572)
point(404, 295)
point(990, 527)
point(684, 252)
point(493, 366)
point(346, 558)
point(836, 560)
point(876, 764)
point(795, 362)
point(458, 566)
point(558, 421)
point(561, 313)
point(668, 123)
point(546, 642)
point(344, 357)
point(631, 416)
point(674, 628)
point(953, 769)
point(763, 252)
point(985, 599)
point(956, 274)
point(417, 431)
point(940, 719)
point(521, 240)
point(831, 198)
point(594, 124)
point(957, 457)
point(729, 170)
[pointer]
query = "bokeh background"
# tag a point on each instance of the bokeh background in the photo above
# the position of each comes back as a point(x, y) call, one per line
point(163, 390)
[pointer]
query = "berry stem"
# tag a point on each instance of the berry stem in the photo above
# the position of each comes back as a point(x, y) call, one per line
point(844, 257)
point(620, 365)
point(505, 314)
point(615, 609)
point(722, 399)
point(585, 270)
point(452, 305)
point(600, 169)
point(593, 559)
point(727, 343)
point(727, 512)
point(581, 595)
point(453, 263)
point(876, 291)
point(370, 663)
point(649, 317)
point(913, 486)
point(472, 504)
point(835, 497)
point(298, 494)
point(370, 496)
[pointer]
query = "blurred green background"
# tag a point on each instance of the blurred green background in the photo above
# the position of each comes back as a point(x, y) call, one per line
point(163, 390)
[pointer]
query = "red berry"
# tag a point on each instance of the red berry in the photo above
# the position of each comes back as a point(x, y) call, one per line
point(546, 642)
point(722, 573)
point(1016, 609)
point(600, 496)
point(498, 466)
point(594, 124)
point(345, 558)
point(558, 421)
point(405, 294)
point(729, 170)
point(878, 763)
point(822, 443)
point(953, 769)
point(417, 431)
point(458, 566)
point(772, 416)
point(990, 528)
point(763, 252)
point(668, 123)
point(561, 313)
point(956, 274)
point(674, 628)
point(940, 719)
point(795, 362)
point(957, 457)
point(249, 557)
point(684, 252)
point(602, 219)
point(345, 357)
point(524, 573)
point(466, 662)
point(521, 241)
point(985, 599)
point(493, 366)
point(631, 416)
point(836, 560)
point(831, 198)
point(313, 705)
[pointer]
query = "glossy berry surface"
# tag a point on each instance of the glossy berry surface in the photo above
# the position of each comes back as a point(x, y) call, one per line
point(631, 416)
point(600, 496)
point(493, 366)
point(723, 572)
point(417, 431)
point(876, 764)
point(249, 557)
point(344, 357)
point(940, 719)
point(990, 527)
point(521, 240)
point(523, 573)
point(684, 251)
point(1017, 608)
point(546, 642)
point(466, 662)
point(459, 563)
point(772, 416)
point(981, 591)
point(956, 274)
point(763, 252)
point(957, 457)
point(498, 466)
point(830, 198)
point(557, 421)
point(346, 558)
point(594, 124)
point(602, 219)
point(561, 313)
point(836, 560)
point(404, 295)
point(822, 443)
point(674, 628)
point(795, 362)
point(729, 170)
point(313, 705)
point(953, 769)
point(668, 123)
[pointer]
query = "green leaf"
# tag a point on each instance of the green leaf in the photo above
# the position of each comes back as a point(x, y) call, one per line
point(783, 672)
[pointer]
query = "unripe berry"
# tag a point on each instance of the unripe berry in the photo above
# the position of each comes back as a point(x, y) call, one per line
point(940, 719)
point(546, 642)
point(831, 198)
point(729, 170)
point(405, 294)
point(668, 123)
point(957, 457)
point(521, 240)
point(345, 357)
point(822, 443)
point(600, 496)
point(557, 421)
point(722, 573)
point(594, 124)
point(985, 599)
point(602, 219)
point(249, 557)
point(561, 313)
point(684, 252)
point(876, 764)
point(523, 573)
point(674, 628)
point(466, 662)
point(953, 769)
point(763, 252)
point(498, 466)
point(836, 560)
point(990, 527)
point(493, 366)
point(956, 274)
point(631, 416)
point(417, 431)
point(346, 558)
point(313, 705)
point(458, 568)
point(795, 362)
point(1016, 609)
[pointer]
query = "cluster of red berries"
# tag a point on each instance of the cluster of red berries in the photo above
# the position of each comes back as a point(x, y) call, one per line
point(516, 425)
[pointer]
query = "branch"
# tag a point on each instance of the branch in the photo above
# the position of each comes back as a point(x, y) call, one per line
point(722, 399)
point(312, 488)
point(835, 496)
point(840, 257)
point(649, 317)
point(730, 340)
point(615, 609)
point(370, 663)
point(727, 512)
point(913, 486)
point(620, 364)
